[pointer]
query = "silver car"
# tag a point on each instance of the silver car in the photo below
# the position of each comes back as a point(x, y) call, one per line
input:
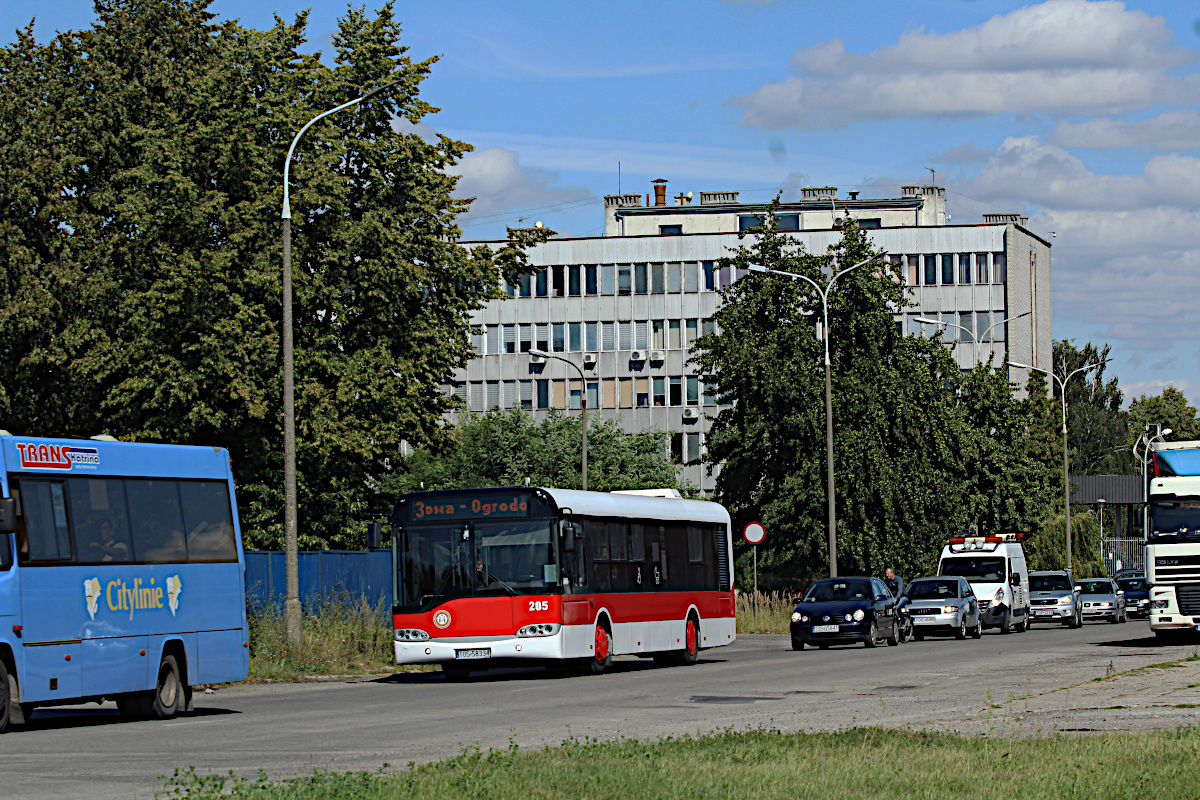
point(1102, 599)
point(1054, 597)
point(945, 606)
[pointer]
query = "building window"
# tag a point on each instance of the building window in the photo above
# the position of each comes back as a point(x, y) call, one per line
point(641, 337)
point(983, 321)
point(591, 279)
point(543, 337)
point(574, 337)
point(559, 395)
point(575, 395)
point(543, 394)
point(710, 278)
point(676, 391)
point(525, 340)
point(624, 279)
point(947, 269)
point(526, 393)
point(1000, 332)
point(659, 329)
point(966, 326)
point(693, 448)
point(981, 268)
point(573, 280)
point(674, 340)
point(526, 285)
point(609, 392)
point(748, 222)
point(540, 284)
point(708, 392)
point(869, 223)
point(670, 230)
point(477, 343)
point(693, 390)
point(914, 270)
point(642, 390)
point(560, 287)
point(788, 222)
point(691, 277)
point(608, 336)
point(592, 336)
point(493, 340)
point(931, 270)
point(624, 335)
point(999, 268)
point(658, 281)
point(639, 279)
point(675, 277)
point(625, 392)
point(608, 279)
point(510, 339)
point(660, 391)
point(593, 394)
point(560, 337)
point(709, 327)
point(493, 394)
point(510, 394)
point(691, 331)
point(725, 276)
point(677, 447)
point(964, 268)
point(476, 396)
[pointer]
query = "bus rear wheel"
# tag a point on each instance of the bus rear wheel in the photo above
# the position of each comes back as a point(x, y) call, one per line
point(167, 700)
point(601, 659)
point(6, 700)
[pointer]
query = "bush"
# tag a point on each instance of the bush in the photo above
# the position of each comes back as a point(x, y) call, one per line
point(342, 636)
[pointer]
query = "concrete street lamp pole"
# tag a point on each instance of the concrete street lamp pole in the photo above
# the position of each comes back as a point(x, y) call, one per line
point(1062, 393)
point(291, 605)
point(582, 398)
point(824, 294)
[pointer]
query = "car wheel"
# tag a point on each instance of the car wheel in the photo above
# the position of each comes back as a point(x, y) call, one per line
point(961, 633)
point(977, 633)
point(1076, 619)
point(894, 639)
point(872, 635)
point(1006, 622)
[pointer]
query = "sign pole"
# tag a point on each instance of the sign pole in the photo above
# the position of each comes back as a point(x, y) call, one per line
point(756, 584)
point(754, 533)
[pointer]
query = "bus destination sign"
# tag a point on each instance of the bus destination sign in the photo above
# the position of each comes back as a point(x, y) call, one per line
point(451, 508)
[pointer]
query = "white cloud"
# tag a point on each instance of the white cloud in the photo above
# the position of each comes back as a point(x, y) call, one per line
point(1172, 130)
point(1155, 386)
point(1062, 56)
point(500, 184)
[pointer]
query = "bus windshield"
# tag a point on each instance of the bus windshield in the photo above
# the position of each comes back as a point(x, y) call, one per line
point(475, 559)
point(1174, 521)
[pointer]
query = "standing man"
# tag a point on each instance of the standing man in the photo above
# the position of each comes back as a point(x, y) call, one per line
point(894, 583)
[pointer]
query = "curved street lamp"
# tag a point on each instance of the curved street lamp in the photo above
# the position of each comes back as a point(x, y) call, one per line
point(582, 397)
point(824, 294)
point(291, 605)
point(1062, 393)
point(969, 332)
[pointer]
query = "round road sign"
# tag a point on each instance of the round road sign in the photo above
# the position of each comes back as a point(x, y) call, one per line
point(754, 532)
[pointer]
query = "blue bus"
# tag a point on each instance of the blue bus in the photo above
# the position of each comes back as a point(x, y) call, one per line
point(121, 575)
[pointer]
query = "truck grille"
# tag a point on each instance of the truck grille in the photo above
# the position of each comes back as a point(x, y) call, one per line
point(1176, 569)
point(1189, 599)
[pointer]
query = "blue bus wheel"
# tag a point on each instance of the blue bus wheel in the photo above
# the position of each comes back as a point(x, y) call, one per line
point(168, 695)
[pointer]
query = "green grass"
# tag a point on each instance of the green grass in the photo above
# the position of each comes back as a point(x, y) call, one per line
point(774, 612)
point(859, 763)
point(341, 637)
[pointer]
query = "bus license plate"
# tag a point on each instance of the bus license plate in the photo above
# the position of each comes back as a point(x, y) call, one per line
point(825, 628)
point(480, 653)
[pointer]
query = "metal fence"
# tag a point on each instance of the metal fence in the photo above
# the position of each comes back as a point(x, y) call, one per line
point(324, 574)
point(1119, 554)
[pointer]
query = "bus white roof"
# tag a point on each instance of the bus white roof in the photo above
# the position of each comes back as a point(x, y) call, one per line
point(636, 506)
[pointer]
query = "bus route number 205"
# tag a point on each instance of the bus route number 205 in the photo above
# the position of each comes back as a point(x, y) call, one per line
point(539, 605)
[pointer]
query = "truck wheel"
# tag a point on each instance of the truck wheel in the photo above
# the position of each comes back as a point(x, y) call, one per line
point(1006, 622)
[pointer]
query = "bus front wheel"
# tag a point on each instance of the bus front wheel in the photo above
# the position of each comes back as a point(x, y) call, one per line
point(601, 659)
point(7, 706)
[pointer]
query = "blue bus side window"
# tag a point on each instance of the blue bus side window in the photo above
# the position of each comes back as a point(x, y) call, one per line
point(99, 521)
point(45, 508)
point(157, 521)
point(208, 521)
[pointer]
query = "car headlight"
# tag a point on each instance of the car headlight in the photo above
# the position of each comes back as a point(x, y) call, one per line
point(797, 616)
point(1065, 600)
point(858, 615)
point(950, 610)
point(1160, 604)
point(541, 629)
point(410, 635)
point(999, 598)
point(1105, 605)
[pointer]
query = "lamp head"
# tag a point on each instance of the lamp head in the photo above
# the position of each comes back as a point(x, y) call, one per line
point(533, 351)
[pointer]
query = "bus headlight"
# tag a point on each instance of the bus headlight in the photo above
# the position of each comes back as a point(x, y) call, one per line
point(411, 635)
point(541, 629)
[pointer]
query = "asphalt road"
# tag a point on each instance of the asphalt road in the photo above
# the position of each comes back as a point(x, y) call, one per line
point(285, 729)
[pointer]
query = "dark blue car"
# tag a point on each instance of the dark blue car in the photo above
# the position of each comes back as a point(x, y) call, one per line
point(1137, 595)
point(845, 611)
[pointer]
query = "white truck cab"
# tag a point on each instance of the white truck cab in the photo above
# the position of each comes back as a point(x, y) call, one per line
point(995, 568)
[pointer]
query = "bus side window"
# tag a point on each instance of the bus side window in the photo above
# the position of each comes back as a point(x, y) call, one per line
point(598, 533)
point(98, 520)
point(637, 542)
point(156, 519)
point(208, 521)
point(45, 507)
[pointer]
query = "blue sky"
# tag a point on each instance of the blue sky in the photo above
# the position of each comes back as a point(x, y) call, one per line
point(1081, 114)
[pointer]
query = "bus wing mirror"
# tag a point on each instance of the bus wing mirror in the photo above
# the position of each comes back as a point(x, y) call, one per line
point(8, 515)
point(569, 538)
point(374, 535)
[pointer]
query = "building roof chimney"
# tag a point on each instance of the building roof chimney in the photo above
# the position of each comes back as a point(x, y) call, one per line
point(660, 191)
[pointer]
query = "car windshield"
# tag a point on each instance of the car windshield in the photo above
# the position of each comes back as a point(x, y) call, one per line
point(834, 590)
point(1096, 587)
point(974, 568)
point(1132, 584)
point(932, 590)
point(1174, 520)
point(496, 557)
point(1049, 583)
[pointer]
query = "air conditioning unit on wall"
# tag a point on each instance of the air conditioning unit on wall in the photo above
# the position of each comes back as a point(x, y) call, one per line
point(589, 360)
point(638, 356)
point(691, 414)
point(657, 356)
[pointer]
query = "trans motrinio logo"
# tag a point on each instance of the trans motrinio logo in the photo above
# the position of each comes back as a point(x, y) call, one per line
point(133, 596)
point(61, 457)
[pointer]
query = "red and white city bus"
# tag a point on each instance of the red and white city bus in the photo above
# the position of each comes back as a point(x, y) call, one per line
point(492, 576)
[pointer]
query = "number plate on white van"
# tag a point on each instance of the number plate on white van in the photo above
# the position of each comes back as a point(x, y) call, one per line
point(484, 652)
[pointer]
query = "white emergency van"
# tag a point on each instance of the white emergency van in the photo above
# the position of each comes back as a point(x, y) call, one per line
point(995, 568)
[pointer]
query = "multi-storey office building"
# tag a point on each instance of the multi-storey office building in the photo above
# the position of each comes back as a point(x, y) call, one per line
point(626, 307)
